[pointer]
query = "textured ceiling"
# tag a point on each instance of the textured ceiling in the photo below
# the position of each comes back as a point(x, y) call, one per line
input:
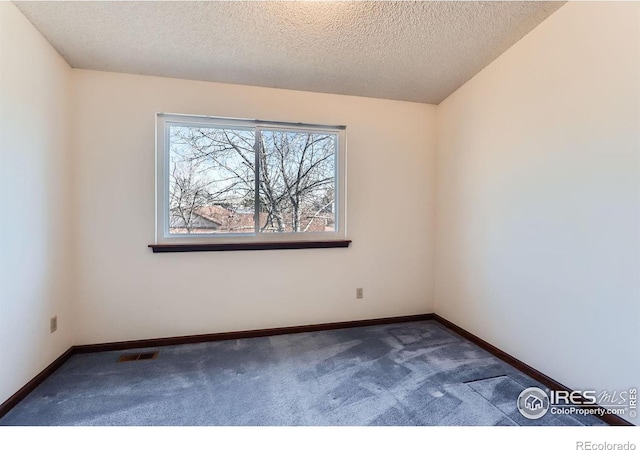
point(416, 51)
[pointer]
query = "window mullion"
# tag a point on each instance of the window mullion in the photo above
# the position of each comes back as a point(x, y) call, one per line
point(256, 202)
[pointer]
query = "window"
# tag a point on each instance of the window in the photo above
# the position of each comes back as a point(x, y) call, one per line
point(242, 181)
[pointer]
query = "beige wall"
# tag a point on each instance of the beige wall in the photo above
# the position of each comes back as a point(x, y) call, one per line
point(127, 292)
point(34, 194)
point(538, 179)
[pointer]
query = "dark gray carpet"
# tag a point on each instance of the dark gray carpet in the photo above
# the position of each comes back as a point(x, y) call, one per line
point(417, 373)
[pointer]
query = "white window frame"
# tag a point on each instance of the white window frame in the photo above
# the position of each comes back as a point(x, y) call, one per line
point(162, 182)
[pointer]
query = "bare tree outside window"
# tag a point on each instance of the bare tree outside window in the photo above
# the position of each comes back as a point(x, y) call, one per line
point(212, 180)
point(297, 181)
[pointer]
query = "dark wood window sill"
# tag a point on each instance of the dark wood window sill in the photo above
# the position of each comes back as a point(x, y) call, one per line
point(171, 248)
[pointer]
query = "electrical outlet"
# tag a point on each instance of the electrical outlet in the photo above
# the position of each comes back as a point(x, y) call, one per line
point(54, 324)
point(359, 293)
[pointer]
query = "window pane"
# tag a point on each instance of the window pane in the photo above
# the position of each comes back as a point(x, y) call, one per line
point(211, 180)
point(297, 181)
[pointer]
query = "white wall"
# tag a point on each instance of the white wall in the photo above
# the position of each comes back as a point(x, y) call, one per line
point(35, 229)
point(127, 292)
point(538, 179)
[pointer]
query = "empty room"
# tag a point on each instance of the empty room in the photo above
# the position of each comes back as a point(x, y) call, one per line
point(365, 213)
